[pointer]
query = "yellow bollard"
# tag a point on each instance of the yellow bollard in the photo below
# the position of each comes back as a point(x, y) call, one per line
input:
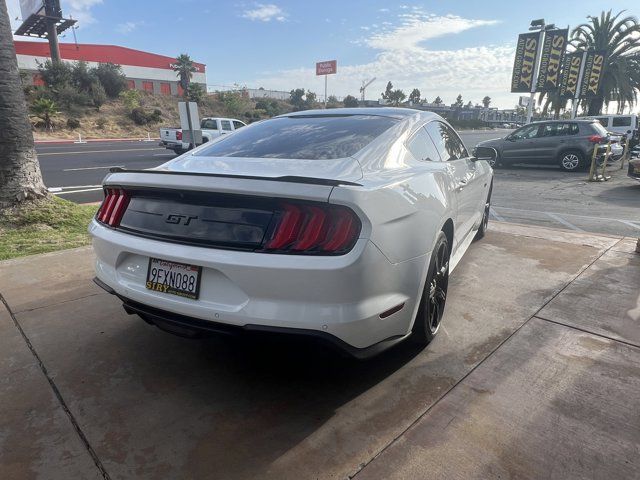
point(624, 153)
point(592, 170)
point(607, 153)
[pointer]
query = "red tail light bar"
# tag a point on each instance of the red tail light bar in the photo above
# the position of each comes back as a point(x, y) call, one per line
point(596, 139)
point(113, 206)
point(178, 135)
point(313, 229)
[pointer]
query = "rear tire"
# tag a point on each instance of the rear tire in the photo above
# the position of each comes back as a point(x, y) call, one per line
point(571, 160)
point(485, 216)
point(434, 294)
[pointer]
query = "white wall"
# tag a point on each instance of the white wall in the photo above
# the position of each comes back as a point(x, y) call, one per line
point(30, 62)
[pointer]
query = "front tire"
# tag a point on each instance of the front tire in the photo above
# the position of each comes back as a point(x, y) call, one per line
point(434, 294)
point(571, 160)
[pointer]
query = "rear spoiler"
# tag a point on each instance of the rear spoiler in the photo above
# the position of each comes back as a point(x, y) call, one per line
point(289, 179)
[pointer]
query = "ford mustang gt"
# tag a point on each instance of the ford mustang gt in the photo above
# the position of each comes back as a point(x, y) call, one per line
point(338, 224)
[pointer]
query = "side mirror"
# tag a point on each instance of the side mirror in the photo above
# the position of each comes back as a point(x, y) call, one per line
point(488, 154)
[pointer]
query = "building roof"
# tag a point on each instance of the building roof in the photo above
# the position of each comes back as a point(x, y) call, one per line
point(101, 54)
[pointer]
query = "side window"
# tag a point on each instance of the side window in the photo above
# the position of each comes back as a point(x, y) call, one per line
point(550, 130)
point(422, 148)
point(621, 121)
point(446, 140)
point(604, 121)
point(225, 124)
point(209, 124)
point(530, 131)
point(237, 124)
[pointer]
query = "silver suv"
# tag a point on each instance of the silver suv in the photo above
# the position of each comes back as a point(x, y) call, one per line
point(567, 143)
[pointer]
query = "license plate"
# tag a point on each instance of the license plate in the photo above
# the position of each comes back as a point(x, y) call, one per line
point(174, 278)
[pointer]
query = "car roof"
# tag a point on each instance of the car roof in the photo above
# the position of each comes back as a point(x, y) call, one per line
point(577, 120)
point(393, 112)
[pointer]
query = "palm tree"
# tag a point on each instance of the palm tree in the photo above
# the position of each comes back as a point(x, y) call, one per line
point(20, 177)
point(620, 37)
point(45, 109)
point(184, 67)
point(438, 101)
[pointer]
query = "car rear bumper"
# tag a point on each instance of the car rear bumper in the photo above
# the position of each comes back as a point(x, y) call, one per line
point(342, 297)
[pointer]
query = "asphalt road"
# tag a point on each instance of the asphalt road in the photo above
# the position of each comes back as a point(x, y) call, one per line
point(542, 196)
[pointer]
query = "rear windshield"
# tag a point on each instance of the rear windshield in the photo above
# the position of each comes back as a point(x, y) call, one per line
point(599, 128)
point(319, 137)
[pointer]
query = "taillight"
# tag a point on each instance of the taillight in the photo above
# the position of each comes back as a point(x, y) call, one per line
point(113, 206)
point(178, 134)
point(313, 229)
point(596, 139)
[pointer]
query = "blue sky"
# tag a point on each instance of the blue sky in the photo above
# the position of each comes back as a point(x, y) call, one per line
point(442, 48)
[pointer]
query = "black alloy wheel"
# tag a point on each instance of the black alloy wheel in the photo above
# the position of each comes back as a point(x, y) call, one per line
point(434, 295)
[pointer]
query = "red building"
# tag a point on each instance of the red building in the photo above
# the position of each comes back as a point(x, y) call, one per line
point(144, 71)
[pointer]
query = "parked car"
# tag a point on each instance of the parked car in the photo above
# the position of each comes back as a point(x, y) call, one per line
point(171, 138)
point(634, 169)
point(339, 224)
point(622, 125)
point(567, 143)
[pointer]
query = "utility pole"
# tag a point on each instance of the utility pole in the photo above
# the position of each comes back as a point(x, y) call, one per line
point(52, 36)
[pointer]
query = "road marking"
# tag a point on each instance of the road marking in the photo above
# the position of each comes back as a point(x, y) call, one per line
point(164, 154)
point(77, 191)
point(101, 151)
point(91, 168)
point(631, 224)
point(563, 214)
point(495, 215)
point(561, 220)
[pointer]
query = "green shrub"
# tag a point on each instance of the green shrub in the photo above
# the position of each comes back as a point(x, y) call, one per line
point(131, 99)
point(98, 95)
point(141, 117)
point(196, 93)
point(82, 77)
point(73, 123)
point(70, 99)
point(111, 77)
point(101, 123)
point(56, 75)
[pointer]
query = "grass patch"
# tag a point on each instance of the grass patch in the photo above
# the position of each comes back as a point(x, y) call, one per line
point(44, 225)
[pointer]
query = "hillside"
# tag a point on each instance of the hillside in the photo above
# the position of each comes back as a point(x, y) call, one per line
point(114, 119)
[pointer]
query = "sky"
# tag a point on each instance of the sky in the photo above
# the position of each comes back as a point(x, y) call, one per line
point(443, 48)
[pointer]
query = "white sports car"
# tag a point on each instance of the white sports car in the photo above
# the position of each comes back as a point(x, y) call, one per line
point(339, 224)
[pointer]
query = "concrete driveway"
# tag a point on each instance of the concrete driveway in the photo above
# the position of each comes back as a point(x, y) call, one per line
point(535, 374)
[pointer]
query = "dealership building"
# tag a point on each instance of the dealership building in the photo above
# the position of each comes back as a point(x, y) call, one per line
point(144, 71)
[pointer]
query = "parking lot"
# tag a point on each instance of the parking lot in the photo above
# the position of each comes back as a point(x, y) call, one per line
point(534, 375)
point(543, 196)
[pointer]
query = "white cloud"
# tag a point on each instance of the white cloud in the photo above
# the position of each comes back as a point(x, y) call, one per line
point(474, 71)
point(265, 13)
point(128, 27)
point(80, 10)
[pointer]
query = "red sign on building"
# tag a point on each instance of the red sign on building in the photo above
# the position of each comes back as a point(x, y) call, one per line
point(327, 68)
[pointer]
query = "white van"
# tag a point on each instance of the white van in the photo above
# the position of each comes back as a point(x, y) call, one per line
point(622, 124)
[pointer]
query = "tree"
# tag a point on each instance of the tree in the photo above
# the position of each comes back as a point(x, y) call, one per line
point(486, 101)
point(82, 77)
point(111, 77)
point(459, 103)
point(350, 101)
point(196, 92)
point(388, 92)
point(56, 75)
point(20, 177)
point(437, 101)
point(397, 97)
point(45, 109)
point(414, 96)
point(98, 95)
point(332, 101)
point(296, 99)
point(184, 67)
point(310, 100)
point(620, 37)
